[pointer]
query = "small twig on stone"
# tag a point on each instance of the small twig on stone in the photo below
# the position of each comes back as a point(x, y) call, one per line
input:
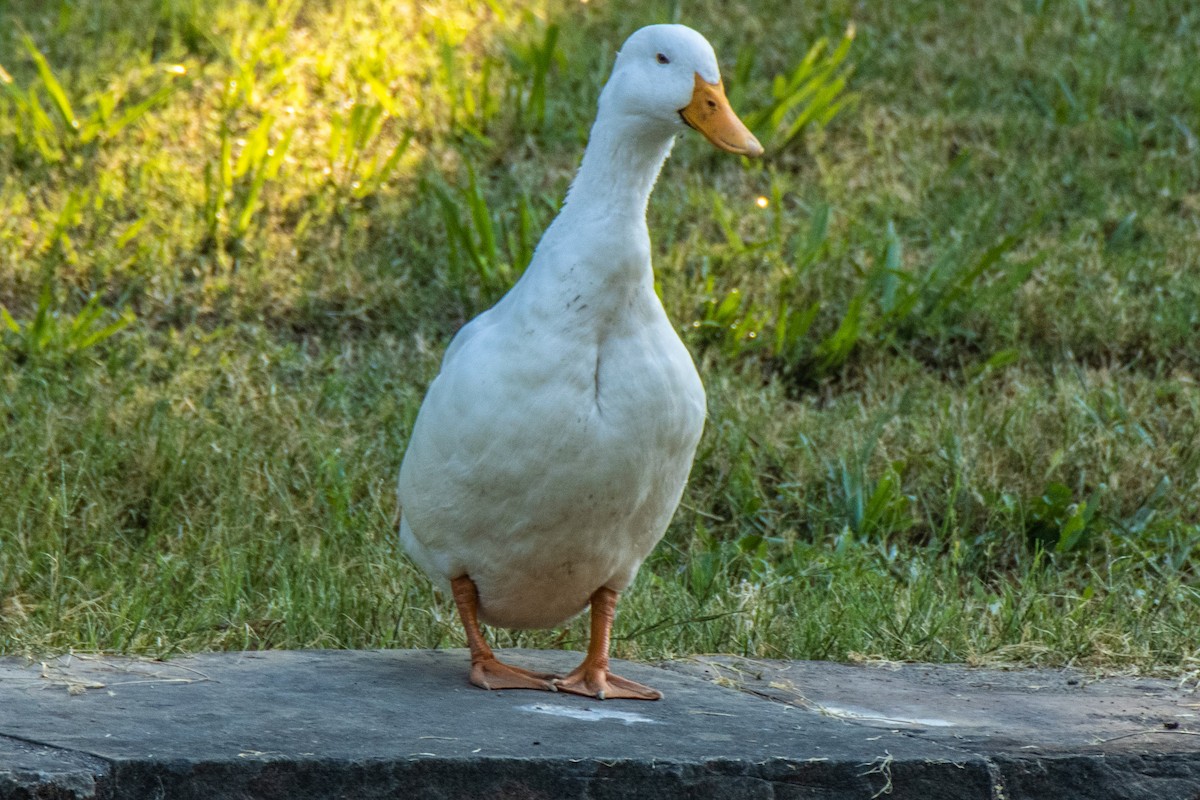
point(1148, 730)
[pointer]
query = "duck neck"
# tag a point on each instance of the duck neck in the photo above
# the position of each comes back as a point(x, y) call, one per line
point(620, 165)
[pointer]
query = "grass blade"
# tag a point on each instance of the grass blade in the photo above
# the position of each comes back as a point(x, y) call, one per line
point(61, 104)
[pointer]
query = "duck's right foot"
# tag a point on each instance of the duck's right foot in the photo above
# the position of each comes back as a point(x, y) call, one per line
point(492, 673)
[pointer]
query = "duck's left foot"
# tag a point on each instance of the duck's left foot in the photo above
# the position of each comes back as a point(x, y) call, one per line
point(603, 685)
point(592, 678)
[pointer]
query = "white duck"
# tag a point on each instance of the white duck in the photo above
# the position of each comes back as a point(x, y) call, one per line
point(552, 450)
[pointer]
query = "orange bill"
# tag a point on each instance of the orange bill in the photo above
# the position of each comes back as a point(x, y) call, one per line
point(709, 113)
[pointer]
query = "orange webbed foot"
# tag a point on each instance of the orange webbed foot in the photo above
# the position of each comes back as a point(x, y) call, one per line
point(603, 685)
point(492, 673)
point(487, 671)
point(592, 678)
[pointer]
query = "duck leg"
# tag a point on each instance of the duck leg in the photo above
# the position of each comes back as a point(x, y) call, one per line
point(592, 678)
point(487, 671)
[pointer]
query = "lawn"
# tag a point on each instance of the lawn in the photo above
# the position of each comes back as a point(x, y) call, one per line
point(949, 326)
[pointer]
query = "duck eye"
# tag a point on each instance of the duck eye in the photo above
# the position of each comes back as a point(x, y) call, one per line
point(662, 59)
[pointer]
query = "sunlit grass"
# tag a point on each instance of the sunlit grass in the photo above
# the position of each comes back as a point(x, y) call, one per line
point(948, 326)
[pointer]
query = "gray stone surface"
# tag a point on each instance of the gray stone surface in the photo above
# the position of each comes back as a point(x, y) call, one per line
point(1044, 733)
point(339, 724)
point(29, 770)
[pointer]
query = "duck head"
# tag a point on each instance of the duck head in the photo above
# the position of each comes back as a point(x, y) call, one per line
point(667, 76)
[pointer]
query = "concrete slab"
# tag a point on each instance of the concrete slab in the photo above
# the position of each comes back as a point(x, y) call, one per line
point(36, 771)
point(333, 724)
point(1046, 733)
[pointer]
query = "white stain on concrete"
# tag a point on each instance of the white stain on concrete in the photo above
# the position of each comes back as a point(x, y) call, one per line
point(589, 714)
point(868, 715)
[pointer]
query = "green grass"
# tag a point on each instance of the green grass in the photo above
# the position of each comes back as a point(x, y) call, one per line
point(952, 363)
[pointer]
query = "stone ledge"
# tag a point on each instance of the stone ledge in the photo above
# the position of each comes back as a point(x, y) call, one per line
point(29, 770)
point(380, 724)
